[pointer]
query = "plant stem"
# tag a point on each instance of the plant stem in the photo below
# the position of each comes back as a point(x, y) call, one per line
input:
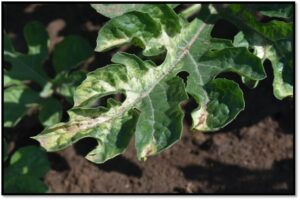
point(190, 11)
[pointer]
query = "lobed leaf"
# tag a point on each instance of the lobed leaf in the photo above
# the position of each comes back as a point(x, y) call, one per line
point(151, 109)
point(272, 40)
point(36, 38)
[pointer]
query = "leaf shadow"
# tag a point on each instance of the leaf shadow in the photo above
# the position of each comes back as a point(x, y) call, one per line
point(118, 164)
point(122, 165)
point(58, 162)
point(84, 146)
point(233, 179)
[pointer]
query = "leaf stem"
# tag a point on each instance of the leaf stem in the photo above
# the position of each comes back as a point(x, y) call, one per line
point(190, 11)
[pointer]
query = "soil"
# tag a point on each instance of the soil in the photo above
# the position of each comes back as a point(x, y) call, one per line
point(254, 154)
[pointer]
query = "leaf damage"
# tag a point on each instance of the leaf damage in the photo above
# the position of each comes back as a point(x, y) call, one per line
point(155, 91)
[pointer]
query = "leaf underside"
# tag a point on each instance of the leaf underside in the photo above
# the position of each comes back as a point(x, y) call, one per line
point(151, 110)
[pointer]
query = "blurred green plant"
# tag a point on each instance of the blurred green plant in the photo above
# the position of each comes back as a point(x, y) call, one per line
point(24, 170)
point(28, 87)
point(29, 68)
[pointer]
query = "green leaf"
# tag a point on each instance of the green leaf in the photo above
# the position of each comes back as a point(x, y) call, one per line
point(50, 112)
point(17, 100)
point(29, 160)
point(32, 62)
point(226, 101)
point(160, 121)
point(36, 38)
point(142, 29)
point(240, 41)
point(47, 90)
point(66, 82)
point(274, 10)
point(273, 30)
point(8, 81)
point(27, 166)
point(115, 10)
point(139, 34)
point(23, 184)
point(154, 91)
point(272, 41)
point(69, 53)
point(283, 69)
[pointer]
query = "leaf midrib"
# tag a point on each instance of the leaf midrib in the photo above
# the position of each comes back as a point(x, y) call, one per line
point(101, 119)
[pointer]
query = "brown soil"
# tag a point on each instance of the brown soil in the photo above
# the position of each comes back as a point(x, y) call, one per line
point(255, 159)
point(254, 154)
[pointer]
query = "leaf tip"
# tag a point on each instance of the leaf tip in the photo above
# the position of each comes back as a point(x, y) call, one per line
point(199, 119)
point(147, 151)
point(34, 137)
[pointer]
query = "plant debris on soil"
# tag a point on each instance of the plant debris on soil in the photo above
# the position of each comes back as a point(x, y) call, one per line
point(254, 154)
